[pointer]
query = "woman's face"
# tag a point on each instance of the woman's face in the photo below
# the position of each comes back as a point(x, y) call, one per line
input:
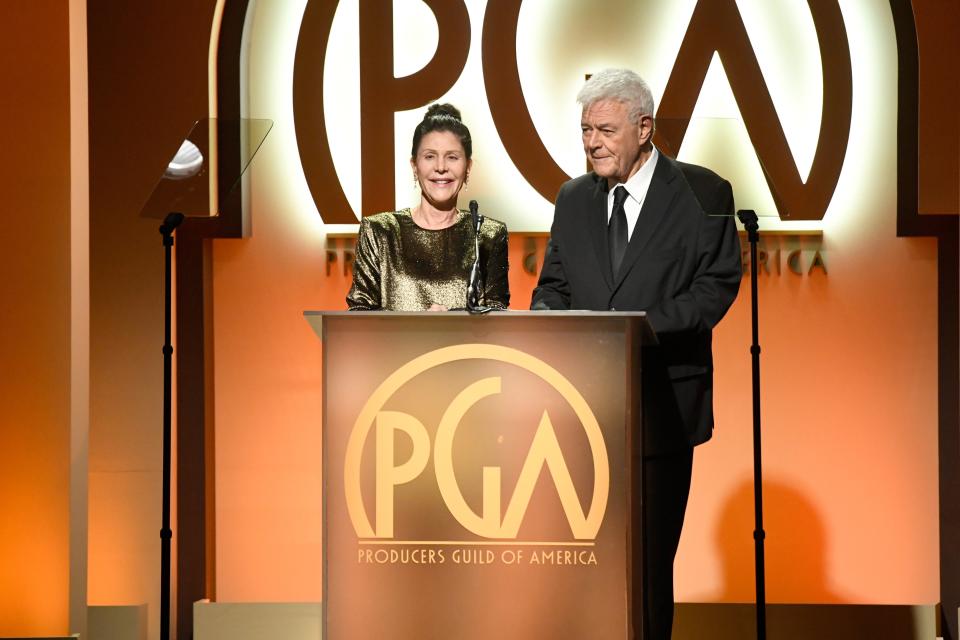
point(441, 168)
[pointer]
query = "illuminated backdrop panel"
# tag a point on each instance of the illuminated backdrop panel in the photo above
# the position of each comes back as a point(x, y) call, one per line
point(850, 406)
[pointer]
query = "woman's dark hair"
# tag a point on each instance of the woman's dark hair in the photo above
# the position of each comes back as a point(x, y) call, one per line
point(442, 117)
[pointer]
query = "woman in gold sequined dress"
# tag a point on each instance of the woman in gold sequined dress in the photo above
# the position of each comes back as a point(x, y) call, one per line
point(420, 258)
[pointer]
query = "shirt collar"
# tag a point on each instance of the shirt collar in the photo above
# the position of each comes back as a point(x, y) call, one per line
point(638, 184)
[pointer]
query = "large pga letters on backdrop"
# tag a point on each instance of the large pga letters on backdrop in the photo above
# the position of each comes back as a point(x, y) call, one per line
point(517, 91)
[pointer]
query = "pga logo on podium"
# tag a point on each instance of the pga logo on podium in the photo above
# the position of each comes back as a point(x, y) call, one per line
point(493, 522)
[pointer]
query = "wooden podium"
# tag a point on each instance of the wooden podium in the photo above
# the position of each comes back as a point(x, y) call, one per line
point(477, 475)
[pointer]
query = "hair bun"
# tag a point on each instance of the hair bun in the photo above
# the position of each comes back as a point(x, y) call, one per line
point(445, 109)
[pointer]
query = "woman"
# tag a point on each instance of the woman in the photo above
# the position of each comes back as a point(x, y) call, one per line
point(421, 258)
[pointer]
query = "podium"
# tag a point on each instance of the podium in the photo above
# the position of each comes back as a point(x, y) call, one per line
point(479, 476)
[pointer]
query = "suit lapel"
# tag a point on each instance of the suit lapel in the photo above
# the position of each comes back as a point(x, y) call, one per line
point(655, 210)
point(597, 222)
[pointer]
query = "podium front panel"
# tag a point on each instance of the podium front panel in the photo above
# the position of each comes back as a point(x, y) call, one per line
point(476, 476)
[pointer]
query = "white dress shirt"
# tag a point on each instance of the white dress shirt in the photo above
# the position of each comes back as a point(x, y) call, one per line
point(637, 186)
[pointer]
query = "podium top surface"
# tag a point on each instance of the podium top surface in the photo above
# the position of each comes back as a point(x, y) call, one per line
point(316, 318)
point(492, 314)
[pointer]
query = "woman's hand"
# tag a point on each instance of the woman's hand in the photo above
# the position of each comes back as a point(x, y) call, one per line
point(438, 307)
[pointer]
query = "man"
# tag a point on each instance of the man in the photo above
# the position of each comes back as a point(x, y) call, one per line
point(643, 232)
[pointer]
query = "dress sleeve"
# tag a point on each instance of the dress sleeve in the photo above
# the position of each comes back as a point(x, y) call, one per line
point(496, 290)
point(364, 294)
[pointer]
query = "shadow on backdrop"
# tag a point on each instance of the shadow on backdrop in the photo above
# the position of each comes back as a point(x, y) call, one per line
point(802, 603)
point(795, 548)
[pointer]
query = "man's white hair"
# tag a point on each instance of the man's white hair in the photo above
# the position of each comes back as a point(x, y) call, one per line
point(621, 85)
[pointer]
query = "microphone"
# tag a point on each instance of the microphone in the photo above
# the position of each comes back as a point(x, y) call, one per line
point(171, 222)
point(473, 285)
point(477, 218)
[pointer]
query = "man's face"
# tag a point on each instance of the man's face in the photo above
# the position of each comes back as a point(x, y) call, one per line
point(614, 144)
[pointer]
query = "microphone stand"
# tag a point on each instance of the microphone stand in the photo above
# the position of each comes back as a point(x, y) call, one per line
point(170, 223)
point(752, 226)
point(473, 293)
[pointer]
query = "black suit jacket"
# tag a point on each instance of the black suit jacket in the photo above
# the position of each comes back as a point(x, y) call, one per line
point(682, 266)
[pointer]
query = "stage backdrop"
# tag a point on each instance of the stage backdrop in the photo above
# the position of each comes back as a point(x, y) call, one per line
point(848, 324)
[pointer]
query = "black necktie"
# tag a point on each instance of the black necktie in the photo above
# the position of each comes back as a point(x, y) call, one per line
point(617, 229)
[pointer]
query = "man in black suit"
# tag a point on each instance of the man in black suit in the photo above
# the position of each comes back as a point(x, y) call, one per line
point(643, 232)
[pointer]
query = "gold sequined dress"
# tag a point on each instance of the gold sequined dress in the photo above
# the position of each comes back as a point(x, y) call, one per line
point(400, 266)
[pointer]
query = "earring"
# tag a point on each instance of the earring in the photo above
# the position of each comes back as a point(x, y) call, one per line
point(416, 183)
